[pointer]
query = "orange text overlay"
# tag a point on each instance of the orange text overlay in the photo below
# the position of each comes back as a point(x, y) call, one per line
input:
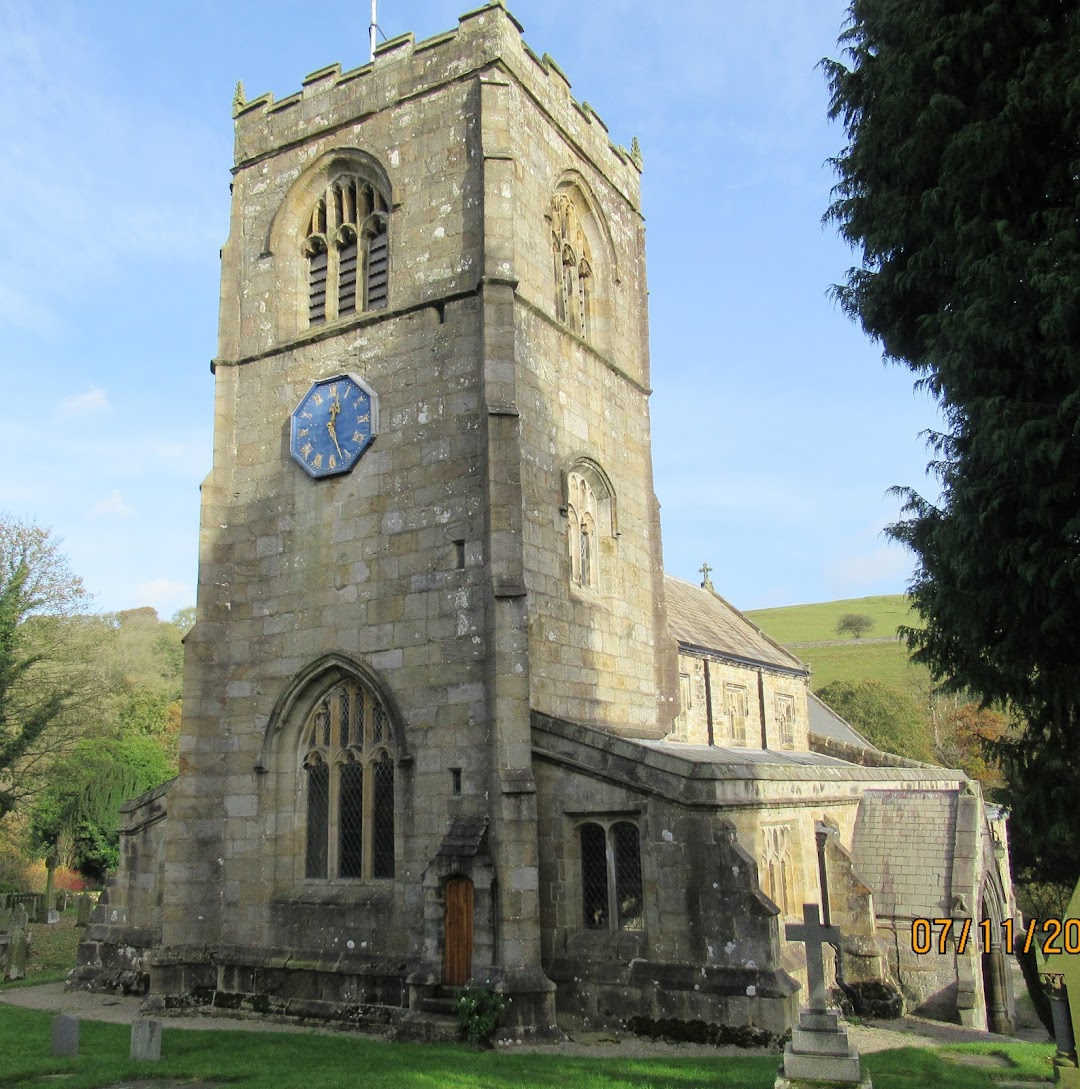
point(943, 935)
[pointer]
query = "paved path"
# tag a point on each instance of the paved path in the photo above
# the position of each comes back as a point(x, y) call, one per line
point(867, 1036)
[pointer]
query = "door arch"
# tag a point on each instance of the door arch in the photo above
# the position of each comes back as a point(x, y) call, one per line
point(457, 931)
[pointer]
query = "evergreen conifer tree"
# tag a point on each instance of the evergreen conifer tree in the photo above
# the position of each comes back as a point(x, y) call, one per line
point(959, 187)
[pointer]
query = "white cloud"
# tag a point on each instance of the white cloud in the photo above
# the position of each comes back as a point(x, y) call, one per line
point(112, 507)
point(165, 595)
point(90, 403)
point(860, 574)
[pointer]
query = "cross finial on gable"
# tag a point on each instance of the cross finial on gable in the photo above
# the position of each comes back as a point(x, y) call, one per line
point(706, 582)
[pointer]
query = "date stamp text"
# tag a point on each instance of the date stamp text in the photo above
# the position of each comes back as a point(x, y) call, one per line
point(1050, 935)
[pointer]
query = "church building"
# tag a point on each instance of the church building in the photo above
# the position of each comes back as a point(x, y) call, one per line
point(445, 718)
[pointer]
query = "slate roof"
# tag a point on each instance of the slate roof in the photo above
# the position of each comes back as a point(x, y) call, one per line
point(464, 837)
point(825, 722)
point(702, 619)
point(903, 847)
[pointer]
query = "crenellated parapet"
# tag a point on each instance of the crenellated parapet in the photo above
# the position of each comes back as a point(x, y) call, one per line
point(487, 40)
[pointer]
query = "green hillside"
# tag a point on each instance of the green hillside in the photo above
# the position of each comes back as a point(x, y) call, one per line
point(810, 632)
point(805, 623)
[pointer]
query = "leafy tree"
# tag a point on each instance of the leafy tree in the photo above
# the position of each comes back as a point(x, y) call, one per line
point(42, 683)
point(83, 799)
point(971, 740)
point(144, 653)
point(854, 624)
point(889, 718)
point(959, 185)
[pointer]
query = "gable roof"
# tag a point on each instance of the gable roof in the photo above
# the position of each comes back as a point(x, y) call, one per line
point(702, 620)
point(825, 722)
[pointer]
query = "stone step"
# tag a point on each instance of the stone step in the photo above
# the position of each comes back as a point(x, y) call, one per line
point(428, 1028)
point(828, 1068)
point(447, 1007)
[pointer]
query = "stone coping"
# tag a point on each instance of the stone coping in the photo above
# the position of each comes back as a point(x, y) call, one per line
point(697, 774)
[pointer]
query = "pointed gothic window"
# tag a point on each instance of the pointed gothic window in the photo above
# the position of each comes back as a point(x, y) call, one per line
point(347, 757)
point(777, 874)
point(582, 513)
point(572, 266)
point(611, 886)
point(785, 718)
point(737, 706)
point(347, 250)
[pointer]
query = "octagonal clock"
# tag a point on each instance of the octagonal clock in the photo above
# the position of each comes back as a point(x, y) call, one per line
point(333, 425)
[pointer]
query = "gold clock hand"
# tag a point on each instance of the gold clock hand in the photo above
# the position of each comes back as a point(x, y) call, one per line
point(335, 408)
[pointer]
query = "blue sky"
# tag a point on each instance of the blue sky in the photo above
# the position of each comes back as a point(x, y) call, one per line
point(777, 430)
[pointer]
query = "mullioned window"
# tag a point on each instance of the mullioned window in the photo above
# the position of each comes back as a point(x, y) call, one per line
point(347, 761)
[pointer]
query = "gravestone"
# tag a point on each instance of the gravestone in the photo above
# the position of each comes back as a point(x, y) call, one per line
point(146, 1039)
point(46, 911)
point(19, 918)
point(17, 952)
point(819, 1052)
point(65, 1036)
point(85, 909)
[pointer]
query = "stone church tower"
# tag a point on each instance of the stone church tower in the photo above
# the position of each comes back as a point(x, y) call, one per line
point(451, 229)
point(444, 717)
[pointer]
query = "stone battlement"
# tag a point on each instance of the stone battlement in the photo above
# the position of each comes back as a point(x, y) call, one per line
point(487, 38)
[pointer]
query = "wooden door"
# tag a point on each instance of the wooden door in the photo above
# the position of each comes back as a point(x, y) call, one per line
point(458, 932)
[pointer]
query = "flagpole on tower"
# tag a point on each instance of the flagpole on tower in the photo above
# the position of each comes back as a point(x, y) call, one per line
point(371, 29)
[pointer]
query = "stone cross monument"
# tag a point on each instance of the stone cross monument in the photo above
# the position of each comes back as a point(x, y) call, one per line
point(819, 1052)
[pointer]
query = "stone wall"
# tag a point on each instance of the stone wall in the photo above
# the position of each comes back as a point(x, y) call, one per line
point(126, 923)
point(762, 688)
point(707, 951)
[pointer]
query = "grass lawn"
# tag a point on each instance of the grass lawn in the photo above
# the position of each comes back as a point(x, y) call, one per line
point(52, 952)
point(283, 1060)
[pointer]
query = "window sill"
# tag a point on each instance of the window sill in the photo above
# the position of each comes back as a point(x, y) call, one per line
point(371, 891)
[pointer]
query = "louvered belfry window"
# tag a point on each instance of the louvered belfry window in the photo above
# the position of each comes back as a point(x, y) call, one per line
point(347, 250)
point(347, 761)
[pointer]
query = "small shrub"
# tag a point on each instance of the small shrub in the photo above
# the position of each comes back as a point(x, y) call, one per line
point(854, 624)
point(478, 1014)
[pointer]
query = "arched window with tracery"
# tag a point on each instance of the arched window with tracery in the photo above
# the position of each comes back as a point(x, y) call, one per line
point(572, 262)
point(581, 513)
point(347, 251)
point(347, 781)
point(777, 867)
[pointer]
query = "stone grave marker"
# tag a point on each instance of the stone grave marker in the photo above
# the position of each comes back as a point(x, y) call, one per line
point(19, 918)
point(17, 951)
point(819, 1052)
point(85, 909)
point(146, 1039)
point(47, 908)
point(65, 1036)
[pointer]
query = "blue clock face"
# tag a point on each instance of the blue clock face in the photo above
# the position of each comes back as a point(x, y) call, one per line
point(333, 425)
